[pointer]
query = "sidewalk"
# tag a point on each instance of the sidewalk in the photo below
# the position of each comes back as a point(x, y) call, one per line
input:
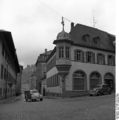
point(10, 99)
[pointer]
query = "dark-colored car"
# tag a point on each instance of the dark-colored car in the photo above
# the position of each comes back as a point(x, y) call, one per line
point(102, 89)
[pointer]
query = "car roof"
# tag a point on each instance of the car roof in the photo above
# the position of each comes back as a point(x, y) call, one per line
point(34, 90)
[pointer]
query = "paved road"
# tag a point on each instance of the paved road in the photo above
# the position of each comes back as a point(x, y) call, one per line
point(83, 108)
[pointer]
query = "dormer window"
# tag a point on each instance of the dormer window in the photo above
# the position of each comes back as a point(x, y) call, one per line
point(85, 37)
point(96, 40)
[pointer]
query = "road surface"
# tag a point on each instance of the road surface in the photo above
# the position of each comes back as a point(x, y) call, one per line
point(81, 108)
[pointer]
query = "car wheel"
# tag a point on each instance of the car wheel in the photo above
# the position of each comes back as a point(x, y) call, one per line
point(41, 99)
point(98, 94)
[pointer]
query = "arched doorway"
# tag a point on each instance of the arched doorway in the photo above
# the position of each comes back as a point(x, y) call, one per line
point(109, 79)
point(95, 79)
point(79, 80)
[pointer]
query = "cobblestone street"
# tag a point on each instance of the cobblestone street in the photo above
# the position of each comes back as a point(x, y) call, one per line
point(83, 108)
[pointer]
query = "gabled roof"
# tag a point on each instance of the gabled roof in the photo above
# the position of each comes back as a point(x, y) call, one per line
point(51, 54)
point(42, 57)
point(106, 39)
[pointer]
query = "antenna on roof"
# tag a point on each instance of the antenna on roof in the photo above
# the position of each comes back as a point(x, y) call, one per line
point(94, 20)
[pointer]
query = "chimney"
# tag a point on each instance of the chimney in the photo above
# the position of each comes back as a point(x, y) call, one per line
point(72, 26)
point(45, 51)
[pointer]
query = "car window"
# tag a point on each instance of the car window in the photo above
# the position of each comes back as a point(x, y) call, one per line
point(34, 91)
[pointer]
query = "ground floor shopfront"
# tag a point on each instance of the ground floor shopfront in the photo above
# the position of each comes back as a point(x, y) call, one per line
point(80, 79)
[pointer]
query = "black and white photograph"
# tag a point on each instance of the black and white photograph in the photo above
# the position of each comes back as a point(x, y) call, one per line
point(58, 60)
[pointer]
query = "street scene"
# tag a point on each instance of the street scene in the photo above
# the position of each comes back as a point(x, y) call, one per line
point(83, 108)
point(57, 60)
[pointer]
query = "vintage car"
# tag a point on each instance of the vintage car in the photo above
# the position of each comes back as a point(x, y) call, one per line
point(102, 89)
point(32, 95)
point(35, 95)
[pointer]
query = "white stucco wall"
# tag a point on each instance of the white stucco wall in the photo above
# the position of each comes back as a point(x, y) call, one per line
point(57, 89)
point(52, 72)
point(88, 68)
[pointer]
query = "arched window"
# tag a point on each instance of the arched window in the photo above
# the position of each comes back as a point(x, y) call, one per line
point(95, 79)
point(79, 55)
point(90, 57)
point(100, 59)
point(79, 79)
point(109, 79)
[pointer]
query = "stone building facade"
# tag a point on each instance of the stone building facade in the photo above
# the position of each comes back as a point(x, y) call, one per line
point(81, 59)
point(9, 66)
point(28, 78)
point(18, 83)
point(41, 71)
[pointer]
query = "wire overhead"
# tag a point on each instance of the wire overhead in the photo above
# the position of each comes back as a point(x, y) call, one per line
point(55, 11)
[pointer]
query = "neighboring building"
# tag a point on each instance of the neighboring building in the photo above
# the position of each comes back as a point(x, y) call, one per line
point(18, 84)
point(9, 66)
point(41, 71)
point(28, 77)
point(33, 81)
point(82, 59)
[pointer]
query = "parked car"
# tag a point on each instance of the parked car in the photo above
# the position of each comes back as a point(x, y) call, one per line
point(102, 89)
point(35, 95)
point(32, 95)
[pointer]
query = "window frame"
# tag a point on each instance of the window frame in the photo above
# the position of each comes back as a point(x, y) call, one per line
point(78, 55)
point(100, 59)
point(91, 55)
point(111, 61)
point(61, 52)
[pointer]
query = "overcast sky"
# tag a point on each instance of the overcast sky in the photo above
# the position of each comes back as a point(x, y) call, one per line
point(35, 23)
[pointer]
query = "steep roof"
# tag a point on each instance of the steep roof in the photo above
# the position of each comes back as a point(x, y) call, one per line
point(42, 57)
point(105, 40)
